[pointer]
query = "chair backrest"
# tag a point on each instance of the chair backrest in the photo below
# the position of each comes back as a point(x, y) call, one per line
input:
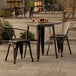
point(65, 27)
point(13, 33)
point(17, 33)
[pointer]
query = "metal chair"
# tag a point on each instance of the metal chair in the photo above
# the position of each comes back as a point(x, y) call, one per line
point(61, 37)
point(17, 43)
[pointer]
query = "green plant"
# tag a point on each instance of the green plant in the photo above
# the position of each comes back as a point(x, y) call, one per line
point(7, 30)
point(6, 12)
point(31, 36)
point(29, 3)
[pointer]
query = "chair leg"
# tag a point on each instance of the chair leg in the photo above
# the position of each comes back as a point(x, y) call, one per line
point(21, 50)
point(48, 49)
point(30, 51)
point(7, 52)
point(49, 46)
point(25, 50)
point(58, 44)
point(15, 54)
point(69, 46)
point(62, 45)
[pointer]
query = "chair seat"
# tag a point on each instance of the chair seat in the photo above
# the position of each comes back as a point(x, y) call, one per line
point(19, 41)
point(59, 36)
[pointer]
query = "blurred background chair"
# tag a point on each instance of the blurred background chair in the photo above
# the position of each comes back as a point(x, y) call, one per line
point(61, 37)
point(14, 39)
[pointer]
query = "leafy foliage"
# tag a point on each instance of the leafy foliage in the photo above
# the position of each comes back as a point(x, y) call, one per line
point(7, 33)
point(30, 35)
point(29, 3)
point(48, 1)
point(5, 12)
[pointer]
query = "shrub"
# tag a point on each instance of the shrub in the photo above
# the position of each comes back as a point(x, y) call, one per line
point(1, 13)
point(5, 12)
point(7, 33)
point(31, 36)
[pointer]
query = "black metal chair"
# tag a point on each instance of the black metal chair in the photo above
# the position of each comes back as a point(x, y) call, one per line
point(61, 37)
point(17, 43)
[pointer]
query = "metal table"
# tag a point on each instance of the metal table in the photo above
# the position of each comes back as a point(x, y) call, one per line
point(40, 35)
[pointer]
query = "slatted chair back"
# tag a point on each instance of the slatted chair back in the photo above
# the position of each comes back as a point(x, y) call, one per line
point(14, 33)
point(65, 27)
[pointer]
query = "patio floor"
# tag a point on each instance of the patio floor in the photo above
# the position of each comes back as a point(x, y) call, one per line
point(47, 66)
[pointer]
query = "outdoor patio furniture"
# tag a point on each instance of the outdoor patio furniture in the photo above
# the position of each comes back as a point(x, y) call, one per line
point(60, 38)
point(17, 43)
point(41, 34)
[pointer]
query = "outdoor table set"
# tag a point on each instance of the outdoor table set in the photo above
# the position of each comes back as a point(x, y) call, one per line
point(40, 26)
point(41, 33)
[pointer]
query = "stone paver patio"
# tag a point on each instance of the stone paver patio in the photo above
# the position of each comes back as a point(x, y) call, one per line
point(48, 65)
